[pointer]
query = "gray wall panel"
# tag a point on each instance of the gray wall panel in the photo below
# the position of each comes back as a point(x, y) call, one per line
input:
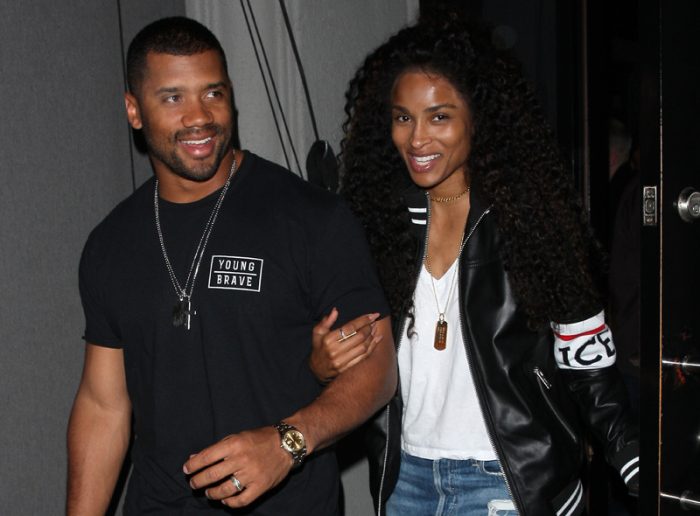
point(64, 163)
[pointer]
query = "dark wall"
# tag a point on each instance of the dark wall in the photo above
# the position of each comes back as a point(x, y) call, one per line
point(64, 163)
point(528, 29)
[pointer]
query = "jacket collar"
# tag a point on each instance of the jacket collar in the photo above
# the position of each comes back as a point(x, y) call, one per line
point(418, 208)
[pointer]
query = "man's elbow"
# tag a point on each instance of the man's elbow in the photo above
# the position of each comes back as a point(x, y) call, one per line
point(390, 383)
point(389, 367)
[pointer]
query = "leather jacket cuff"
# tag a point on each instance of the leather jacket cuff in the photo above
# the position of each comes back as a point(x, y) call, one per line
point(626, 462)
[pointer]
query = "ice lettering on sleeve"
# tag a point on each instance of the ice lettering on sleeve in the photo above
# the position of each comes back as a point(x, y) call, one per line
point(584, 345)
point(605, 338)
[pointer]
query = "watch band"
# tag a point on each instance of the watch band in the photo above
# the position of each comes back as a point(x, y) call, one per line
point(298, 454)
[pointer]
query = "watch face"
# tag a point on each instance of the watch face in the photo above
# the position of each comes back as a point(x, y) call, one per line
point(293, 440)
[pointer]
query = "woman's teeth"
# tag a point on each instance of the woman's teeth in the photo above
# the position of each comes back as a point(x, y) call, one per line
point(422, 160)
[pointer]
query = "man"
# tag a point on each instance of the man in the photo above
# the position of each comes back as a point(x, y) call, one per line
point(201, 291)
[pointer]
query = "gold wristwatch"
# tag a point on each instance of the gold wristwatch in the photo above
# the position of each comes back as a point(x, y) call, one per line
point(292, 441)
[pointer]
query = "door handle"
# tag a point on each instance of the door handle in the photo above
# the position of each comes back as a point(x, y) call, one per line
point(688, 500)
point(688, 205)
point(688, 364)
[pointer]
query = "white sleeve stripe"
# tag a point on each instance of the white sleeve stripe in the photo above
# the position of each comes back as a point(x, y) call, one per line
point(572, 502)
point(585, 351)
point(579, 327)
point(419, 222)
point(572, 337)
point(417, 210)
point(632, 474)
point(631, 463)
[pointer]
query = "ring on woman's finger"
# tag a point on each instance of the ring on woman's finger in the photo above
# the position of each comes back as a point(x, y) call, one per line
point(237, 483)
point(345, 337)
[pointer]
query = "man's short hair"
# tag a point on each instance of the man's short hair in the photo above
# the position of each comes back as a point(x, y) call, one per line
point(177, 36)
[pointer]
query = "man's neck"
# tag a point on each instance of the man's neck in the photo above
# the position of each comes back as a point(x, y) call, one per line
point(174, 188)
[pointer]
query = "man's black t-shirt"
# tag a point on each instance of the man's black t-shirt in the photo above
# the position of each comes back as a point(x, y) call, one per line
point(281, 255)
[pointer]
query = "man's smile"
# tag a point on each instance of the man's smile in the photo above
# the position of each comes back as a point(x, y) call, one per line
point(197, 142)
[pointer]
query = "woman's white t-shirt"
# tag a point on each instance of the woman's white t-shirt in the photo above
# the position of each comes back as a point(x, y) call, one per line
point(441, 417)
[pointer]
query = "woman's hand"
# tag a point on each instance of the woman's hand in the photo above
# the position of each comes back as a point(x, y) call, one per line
point(335, 351)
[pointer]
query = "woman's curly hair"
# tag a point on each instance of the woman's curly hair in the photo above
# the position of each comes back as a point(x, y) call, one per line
point(514, 166)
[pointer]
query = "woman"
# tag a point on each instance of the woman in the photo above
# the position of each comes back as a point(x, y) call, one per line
point(482, 245)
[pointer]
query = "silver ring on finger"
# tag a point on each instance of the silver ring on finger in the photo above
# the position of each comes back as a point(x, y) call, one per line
point(237, 483)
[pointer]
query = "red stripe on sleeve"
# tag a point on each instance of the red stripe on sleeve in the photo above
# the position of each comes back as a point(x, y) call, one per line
point(572, 337)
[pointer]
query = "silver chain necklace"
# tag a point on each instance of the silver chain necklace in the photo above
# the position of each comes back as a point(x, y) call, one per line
point(182, 311)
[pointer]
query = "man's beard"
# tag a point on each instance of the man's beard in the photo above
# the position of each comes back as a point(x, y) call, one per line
point(166, 151)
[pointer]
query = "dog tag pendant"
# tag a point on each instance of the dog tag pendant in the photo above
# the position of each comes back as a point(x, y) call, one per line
point(440, 334)
point(181, 313)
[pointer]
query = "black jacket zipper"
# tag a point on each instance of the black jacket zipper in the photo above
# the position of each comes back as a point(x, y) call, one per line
point(544, 387)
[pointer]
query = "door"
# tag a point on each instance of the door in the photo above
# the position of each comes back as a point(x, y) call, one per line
point(670, 261)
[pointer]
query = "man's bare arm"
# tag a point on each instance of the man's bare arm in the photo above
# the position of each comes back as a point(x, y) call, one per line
point(352, 397)
point(255, 456)
point(98, 432)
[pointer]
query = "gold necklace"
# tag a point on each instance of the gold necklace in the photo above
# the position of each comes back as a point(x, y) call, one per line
point(440, 342)
point(441, 325)
point(449, 199)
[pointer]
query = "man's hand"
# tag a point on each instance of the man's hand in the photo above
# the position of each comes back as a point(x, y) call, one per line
point(332, 354)
point(254, 457)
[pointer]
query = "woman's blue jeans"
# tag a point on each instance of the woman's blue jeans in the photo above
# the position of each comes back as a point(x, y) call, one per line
point(448, 487)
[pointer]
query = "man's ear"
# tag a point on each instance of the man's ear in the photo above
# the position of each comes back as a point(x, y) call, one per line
point(133, 113)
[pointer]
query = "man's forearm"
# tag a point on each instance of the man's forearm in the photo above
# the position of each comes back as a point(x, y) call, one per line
point(352, 397)
point(98, 439)
point(255, 458)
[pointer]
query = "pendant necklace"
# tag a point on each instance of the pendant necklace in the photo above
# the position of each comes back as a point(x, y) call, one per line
point(182, 310)
point(440, 342)
point(441, 324)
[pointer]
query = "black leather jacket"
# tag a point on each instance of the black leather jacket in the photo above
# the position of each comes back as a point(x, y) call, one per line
point(532, 408)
